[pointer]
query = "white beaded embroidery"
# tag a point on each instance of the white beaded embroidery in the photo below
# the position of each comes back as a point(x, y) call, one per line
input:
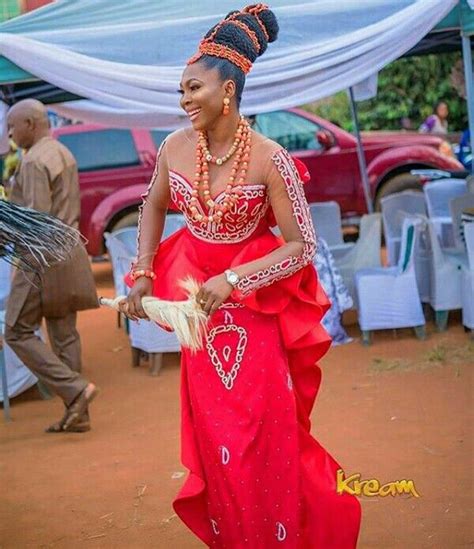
point(238, 223)
point(231, 305)
point(281, 532)
point(215, 528)
point(290, 265)
point(146, 193)
point(229, 377)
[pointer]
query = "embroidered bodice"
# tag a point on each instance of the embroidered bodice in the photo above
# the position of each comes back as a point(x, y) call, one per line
point(249, 217)
point(237, 224)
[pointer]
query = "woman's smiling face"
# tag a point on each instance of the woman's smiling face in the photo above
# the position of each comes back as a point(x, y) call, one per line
point(202, 94)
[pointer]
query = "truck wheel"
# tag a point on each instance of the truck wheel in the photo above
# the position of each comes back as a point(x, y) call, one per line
point(129, 220)
point(397, 184)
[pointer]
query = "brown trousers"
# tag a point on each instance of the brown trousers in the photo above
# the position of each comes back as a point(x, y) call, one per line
point(59, 370)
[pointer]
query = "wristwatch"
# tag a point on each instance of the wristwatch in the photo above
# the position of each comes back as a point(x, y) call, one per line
point(231, 277)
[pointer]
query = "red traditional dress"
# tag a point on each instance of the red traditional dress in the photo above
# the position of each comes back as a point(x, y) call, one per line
point(257, 478)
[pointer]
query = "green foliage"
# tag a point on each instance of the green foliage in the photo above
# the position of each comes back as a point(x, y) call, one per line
point(407, 87)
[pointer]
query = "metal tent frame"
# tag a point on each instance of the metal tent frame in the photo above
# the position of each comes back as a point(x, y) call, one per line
point(454, 32)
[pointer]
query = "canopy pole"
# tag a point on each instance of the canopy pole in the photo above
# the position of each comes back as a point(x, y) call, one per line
point(360, 155)
point(469, 77)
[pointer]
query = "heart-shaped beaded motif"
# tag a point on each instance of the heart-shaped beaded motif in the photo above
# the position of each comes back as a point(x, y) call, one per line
point(227, 377)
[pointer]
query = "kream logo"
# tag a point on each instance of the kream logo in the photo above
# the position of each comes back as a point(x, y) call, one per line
point(354, 486)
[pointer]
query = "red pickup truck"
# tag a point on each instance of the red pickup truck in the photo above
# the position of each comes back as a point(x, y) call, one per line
point(115, 165)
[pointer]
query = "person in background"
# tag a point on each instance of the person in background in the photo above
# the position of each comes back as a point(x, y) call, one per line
point(406, 123)
point(10, 162)
point(47, 181)
point(437, 122)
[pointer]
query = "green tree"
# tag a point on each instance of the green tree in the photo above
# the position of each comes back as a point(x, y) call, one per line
point(408, 87)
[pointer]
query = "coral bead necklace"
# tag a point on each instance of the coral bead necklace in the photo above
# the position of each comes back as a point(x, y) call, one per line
point(241, 149)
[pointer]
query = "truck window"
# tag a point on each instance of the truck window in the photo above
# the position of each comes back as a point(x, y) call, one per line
point(159, 136)
point(102, 149)
point(289, 130)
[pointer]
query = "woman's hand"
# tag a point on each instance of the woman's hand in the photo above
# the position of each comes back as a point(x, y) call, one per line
point(213, 293)
point(132, 306)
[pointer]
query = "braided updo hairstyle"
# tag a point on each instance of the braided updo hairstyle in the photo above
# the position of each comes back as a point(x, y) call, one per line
point(265, 27)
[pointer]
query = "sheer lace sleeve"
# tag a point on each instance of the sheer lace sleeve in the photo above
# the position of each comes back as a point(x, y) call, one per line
point(152, 212)
point(292, 214)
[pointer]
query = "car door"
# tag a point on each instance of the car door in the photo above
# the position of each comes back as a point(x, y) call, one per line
point(331, 177)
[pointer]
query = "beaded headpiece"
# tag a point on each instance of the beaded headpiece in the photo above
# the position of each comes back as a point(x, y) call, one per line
point(207, 46)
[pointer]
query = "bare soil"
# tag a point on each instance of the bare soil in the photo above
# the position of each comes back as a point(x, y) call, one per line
point(399, 409)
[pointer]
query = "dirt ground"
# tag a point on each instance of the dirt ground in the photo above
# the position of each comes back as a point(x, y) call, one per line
point(400, 409)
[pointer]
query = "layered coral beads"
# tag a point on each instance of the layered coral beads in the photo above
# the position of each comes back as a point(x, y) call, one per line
point(241, 149)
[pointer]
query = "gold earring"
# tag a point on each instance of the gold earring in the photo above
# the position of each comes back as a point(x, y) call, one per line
point(226, 109)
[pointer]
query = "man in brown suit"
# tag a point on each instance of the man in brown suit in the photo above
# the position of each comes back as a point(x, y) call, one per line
point(47, 180)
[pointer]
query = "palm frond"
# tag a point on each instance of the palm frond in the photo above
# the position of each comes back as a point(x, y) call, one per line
point(33, 240)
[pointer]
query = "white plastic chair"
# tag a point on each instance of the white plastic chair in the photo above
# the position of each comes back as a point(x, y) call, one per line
point(395, 207)
point(364, 254)
point(388, 296)
point(145, 336)
point(326, 218)
point(121, 258)
point(128, 237)
point(445, 279)
point(149, 338)
point(173, 223)
point(467, 280)
point(456, 207)
point(422, 258)
point(438, 195)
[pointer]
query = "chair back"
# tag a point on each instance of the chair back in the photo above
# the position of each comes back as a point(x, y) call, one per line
point(326, 218)
point(371, 227)
point(457, 206)
point(173, 223)
point(410, 234)
point(437, 254)
point(121, 258)
point(366, 251)
point(395, 207)
point(469, 238)
point(128, 237)
point(439, 193)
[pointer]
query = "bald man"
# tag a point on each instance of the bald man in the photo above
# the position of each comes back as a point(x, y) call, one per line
point(47, 181)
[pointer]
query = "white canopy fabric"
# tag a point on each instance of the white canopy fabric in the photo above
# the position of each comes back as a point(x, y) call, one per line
point(127, 57)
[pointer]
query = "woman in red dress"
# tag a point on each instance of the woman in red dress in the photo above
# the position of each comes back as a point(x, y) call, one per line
point(257, 478)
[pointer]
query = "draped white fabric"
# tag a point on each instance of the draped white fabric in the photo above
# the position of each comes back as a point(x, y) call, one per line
point(127, 57)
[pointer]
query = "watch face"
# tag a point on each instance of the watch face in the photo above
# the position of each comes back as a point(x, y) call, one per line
point(232, 278)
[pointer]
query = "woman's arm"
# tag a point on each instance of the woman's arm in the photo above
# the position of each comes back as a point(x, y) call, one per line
point(291, 211)
point(151, 220)
point(288, 201)
point(152, 212)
